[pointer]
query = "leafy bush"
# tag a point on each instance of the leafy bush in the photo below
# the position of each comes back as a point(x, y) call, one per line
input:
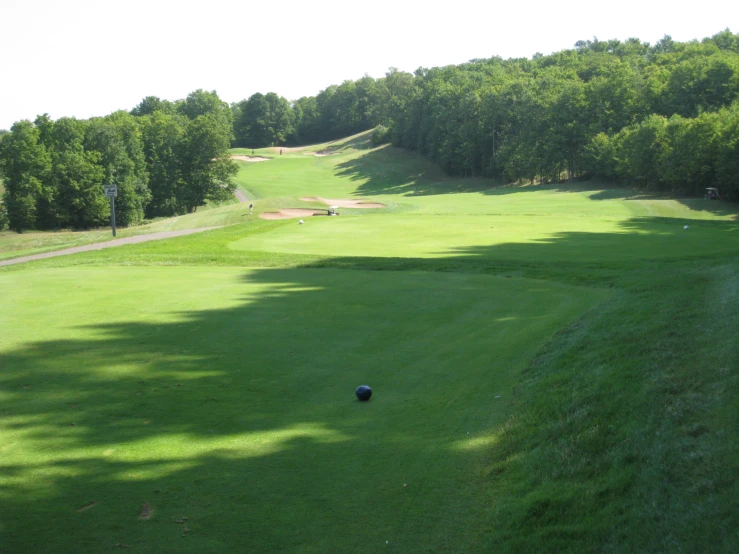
point(3, 217)
point(380, 135)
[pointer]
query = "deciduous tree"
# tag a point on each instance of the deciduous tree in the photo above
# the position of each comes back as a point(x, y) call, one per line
point(25, 165)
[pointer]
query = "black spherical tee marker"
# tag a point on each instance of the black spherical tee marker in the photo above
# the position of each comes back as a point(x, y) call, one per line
point(364, 393)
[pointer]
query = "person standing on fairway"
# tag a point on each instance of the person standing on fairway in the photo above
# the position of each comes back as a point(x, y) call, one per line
point(251, 207)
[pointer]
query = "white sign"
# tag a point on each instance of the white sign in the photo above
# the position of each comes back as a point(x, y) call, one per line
point(111, 191)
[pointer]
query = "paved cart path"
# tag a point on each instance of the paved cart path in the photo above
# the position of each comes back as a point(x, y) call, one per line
point(109, 244)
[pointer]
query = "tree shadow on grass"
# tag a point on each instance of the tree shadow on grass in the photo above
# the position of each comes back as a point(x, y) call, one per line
point(562, 255)
point(715, 207)
point(362, 141)
point(382, 171)
point(639, 241)
point(387, 170)
point(240, 424)
point(236, 429)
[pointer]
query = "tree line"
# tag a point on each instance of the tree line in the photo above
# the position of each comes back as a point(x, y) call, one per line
point(166, 159)
point(335, 112)
point(661, 117)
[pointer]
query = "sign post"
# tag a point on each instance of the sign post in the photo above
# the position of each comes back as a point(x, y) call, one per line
point(111, 191)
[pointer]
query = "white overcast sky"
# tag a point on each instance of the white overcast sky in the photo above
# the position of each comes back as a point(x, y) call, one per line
point(86, 58)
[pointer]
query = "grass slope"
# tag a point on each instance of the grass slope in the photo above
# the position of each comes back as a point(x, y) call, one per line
point(609, 329)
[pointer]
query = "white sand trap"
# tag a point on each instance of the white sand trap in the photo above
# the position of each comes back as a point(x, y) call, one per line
point(341, 203)
point(249, 158)
point(287, 213)
point(324, 153)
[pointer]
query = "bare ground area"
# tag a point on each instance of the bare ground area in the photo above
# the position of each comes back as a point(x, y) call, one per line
point(249, 158)
point(284, 150)
point(288, 213)
point(109, 244)
point(240, 196)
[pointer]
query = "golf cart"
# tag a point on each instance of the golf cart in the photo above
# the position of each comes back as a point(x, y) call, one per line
point(712, 193)
point(333, 210)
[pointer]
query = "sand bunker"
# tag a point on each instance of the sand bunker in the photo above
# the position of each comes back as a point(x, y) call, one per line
point(324, 153)
point(287, 213)
point(249, 158)
point(342, 203)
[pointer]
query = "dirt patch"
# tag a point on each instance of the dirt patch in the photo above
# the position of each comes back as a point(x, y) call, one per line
point(240, 196)
point(146, 511)
point(343, 203)
point(288, 213)
point(249, 158)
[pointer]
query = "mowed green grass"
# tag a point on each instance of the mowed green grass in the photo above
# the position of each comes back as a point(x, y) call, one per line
point(550, 237)
point(408, 184)
point(407, 181)
point(14, 245)
point(431, 215)
point(224, 399)
point(606, 329)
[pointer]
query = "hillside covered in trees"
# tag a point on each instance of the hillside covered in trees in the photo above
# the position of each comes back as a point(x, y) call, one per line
point(662, 117)
point(166, 159)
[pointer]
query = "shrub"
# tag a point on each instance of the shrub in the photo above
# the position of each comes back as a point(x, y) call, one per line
point(380, 135)
point(3, 217)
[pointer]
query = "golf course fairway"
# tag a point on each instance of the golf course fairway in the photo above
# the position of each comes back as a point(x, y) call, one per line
point(553, 367)
point(555, 238)
point(225, 396)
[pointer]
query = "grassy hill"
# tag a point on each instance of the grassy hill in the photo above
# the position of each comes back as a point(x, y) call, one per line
point(554, 369)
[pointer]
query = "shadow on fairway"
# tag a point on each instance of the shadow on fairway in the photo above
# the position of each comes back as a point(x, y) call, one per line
point(715, 207)
point(643, 240)
point(244, 420)
point(494, 241)
point(384, 172)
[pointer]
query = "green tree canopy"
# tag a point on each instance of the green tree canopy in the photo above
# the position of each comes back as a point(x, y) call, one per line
point(118, 140)
point(264, 120)
point(25, 165)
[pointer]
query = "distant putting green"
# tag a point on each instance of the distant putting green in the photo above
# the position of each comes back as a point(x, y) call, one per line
point(149, 406)
point(544, 237)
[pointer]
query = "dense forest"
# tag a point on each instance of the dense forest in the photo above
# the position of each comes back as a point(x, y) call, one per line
point(662, 117)
point(166, 158)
